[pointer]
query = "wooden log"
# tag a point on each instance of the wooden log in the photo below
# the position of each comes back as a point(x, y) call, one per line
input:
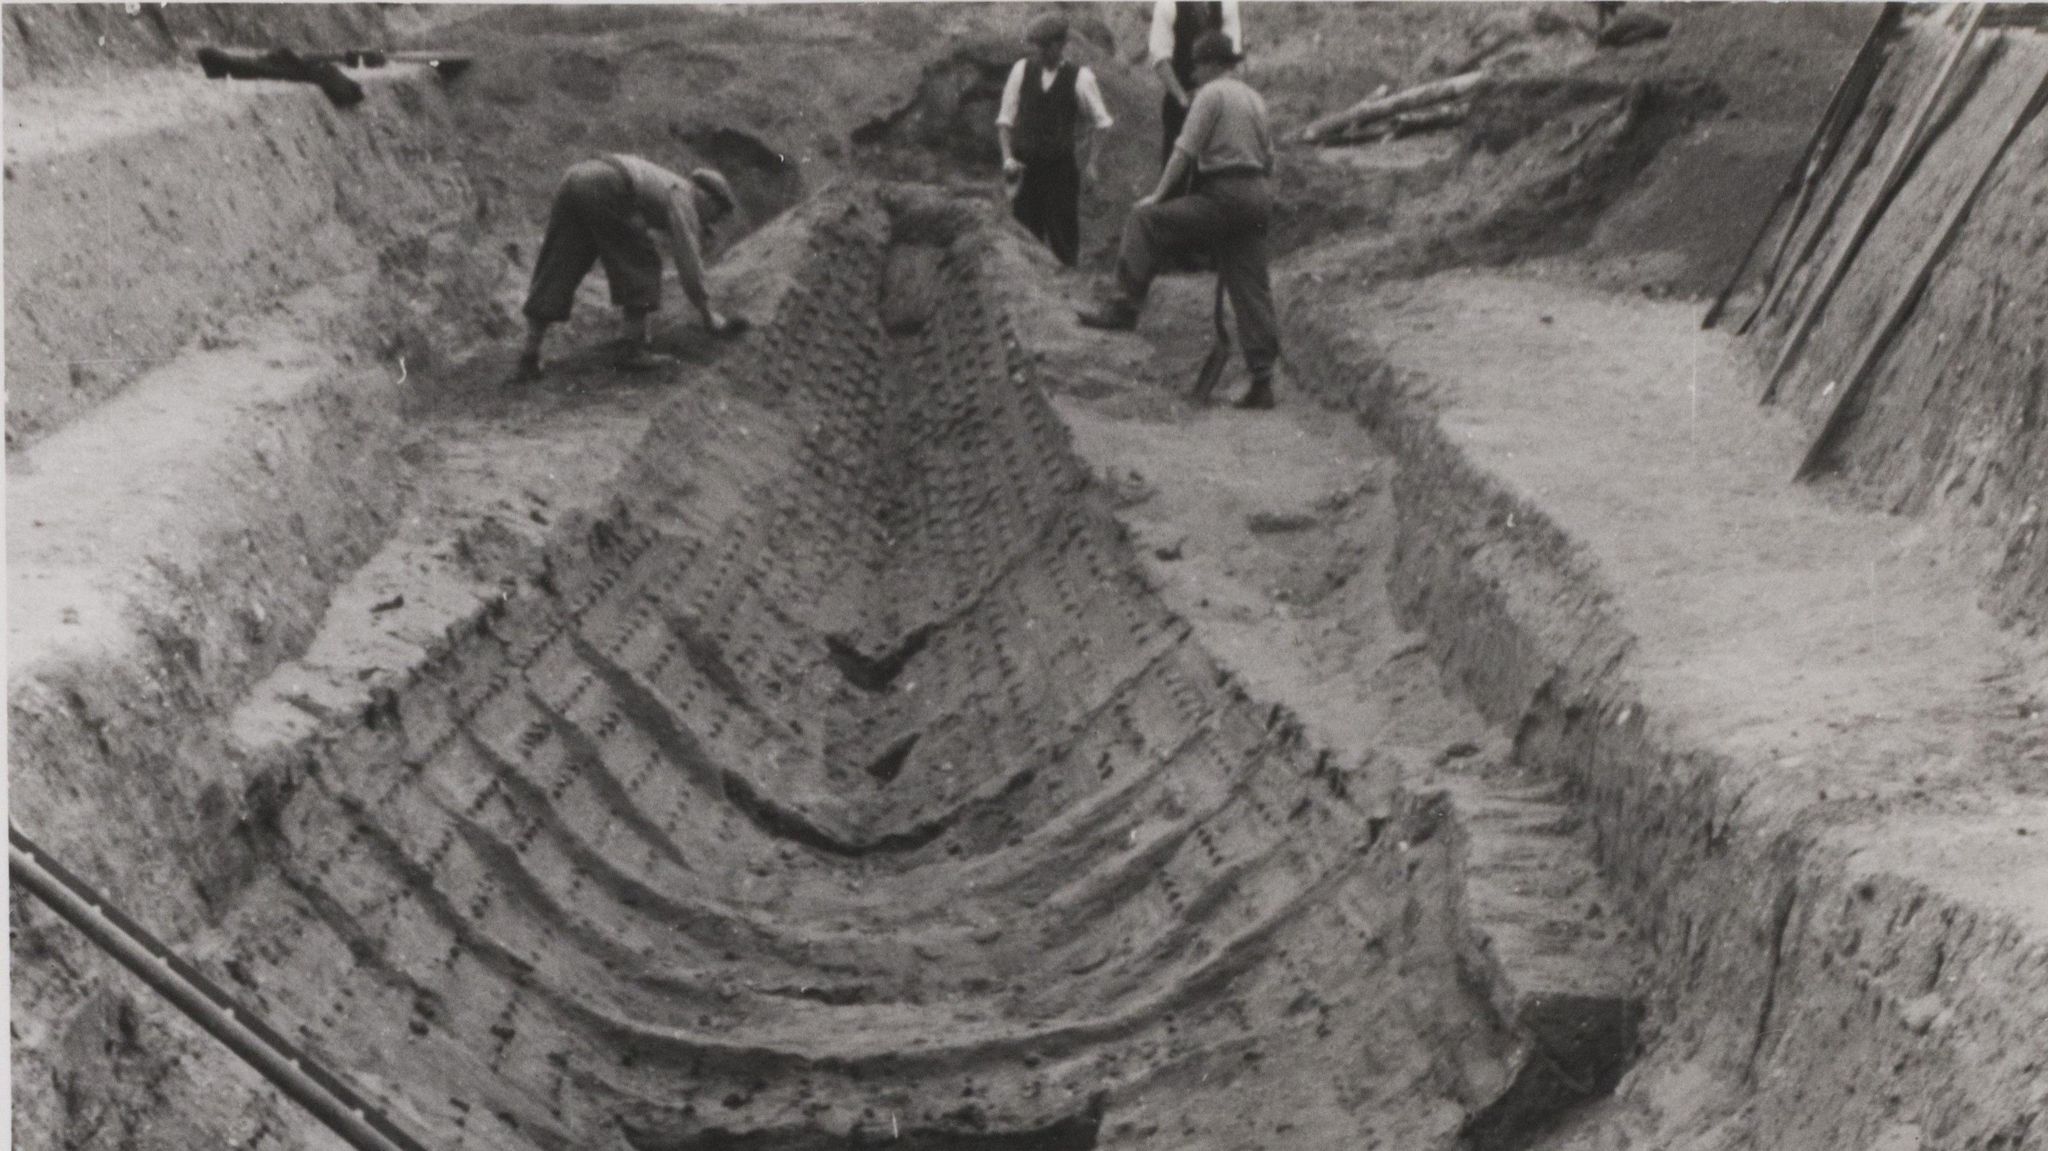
point(448, 64)
point(1844, 106)
point(1405, 123)
point(1379, 107)
point(1847, 403)
point(1427, 119)
point(1915, 140)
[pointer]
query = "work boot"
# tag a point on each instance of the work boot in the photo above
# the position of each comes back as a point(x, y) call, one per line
point(1259, 398)
point(1115, 316)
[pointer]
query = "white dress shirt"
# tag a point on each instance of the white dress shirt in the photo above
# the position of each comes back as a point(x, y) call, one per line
point(1161, 42)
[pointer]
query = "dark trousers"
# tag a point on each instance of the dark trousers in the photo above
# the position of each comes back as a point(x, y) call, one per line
point(1048, 204)
point(1228, 216)
point(593, 220)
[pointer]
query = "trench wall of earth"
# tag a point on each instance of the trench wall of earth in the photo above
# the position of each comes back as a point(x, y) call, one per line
point(212, 291)
point(70, 44)
point(1949, 423)
point(149, 212)
point(1834, 1002)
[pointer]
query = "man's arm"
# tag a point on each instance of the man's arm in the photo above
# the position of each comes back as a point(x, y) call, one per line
point(688, 257)
point(1006, 114)
point(1164, 68)
point(1159, 41)
point(1233, 26)
point(1202, 114)
point(1159, 47)
point(1177, 167)
point(1095, 120)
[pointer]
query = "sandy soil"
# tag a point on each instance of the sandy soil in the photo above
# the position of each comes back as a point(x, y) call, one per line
point(1867, 728)
point(838, 739)
point(1784, 627)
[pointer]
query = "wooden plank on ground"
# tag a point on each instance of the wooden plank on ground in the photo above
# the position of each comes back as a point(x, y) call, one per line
point(1422, 95)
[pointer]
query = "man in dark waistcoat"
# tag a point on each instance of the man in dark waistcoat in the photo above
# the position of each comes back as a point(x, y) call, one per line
point(1048, 101)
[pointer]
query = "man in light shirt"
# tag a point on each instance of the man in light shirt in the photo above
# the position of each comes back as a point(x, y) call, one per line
point(1047, 101)
point(1175, 28)
point(607, 210)
point(1227, 145)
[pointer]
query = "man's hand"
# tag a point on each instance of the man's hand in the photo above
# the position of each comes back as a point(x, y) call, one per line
point(1090, 176)
point(1148, 201)
point(1012, 167)
point(717, 323)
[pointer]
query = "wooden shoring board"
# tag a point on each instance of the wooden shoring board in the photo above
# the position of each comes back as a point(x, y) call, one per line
point(1881, 123)
point(1851, 91)
point(1847, 404)
point(1913, 143)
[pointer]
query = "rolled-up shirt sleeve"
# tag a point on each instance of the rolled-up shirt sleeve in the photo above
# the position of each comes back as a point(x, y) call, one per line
point(1159, 45)
point(1013, 92)
point(683, 243)
point(1201, 122)
point(1090, 95)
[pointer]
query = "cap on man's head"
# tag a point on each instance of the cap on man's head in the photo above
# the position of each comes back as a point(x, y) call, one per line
point(1047, 28)
point(714, 184)
point(1214, 47)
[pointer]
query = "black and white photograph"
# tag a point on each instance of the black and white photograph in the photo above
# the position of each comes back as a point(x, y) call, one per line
point(1022, 575)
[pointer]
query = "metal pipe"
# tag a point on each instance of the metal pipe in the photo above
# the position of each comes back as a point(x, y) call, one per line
point(292, 1072)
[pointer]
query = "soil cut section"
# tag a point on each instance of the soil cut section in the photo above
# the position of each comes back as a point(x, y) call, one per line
point(1812, 764)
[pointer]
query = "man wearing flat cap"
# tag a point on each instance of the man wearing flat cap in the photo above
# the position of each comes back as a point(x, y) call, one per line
point(607, 211)
point(1228, 146)
point(1047, 101)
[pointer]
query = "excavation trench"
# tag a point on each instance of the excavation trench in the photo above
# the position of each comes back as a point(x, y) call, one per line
point(847, 782)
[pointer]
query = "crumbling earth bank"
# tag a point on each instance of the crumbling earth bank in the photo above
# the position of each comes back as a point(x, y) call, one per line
point(1846, 941)
point(145, 212)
